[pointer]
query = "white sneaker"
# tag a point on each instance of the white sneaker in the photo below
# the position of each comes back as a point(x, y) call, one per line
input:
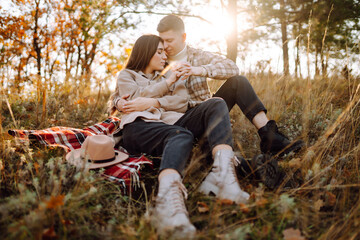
point(170, 217)
point(222, 180)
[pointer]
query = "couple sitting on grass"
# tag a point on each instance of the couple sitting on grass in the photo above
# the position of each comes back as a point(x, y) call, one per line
point(164, 112)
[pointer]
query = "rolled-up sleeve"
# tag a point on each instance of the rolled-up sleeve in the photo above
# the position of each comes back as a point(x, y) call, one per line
point(216, 66)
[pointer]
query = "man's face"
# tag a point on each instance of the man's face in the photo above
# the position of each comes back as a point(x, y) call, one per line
point(174, 41)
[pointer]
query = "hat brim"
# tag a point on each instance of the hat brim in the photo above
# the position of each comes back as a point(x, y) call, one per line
point(74, 158)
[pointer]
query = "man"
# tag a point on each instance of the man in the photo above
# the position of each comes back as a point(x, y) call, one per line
point(197, 65)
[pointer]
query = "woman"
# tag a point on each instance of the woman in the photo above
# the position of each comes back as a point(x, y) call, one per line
point(156, 121)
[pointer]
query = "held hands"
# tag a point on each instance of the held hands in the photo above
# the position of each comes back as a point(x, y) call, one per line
point(175, 75)
point(186, 70)
point(183, 70)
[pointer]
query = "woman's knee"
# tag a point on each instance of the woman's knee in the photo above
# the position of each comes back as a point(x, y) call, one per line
point(215, 101)
point(218, 104)
point(185, 135)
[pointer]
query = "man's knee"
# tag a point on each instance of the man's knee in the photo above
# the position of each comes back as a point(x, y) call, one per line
point(239, 81)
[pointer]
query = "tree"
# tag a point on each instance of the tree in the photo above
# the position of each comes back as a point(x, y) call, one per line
point(232, 39)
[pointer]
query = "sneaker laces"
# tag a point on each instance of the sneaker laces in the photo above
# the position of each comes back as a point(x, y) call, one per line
point(176, 195)
point(231, 169)
point(236, 161)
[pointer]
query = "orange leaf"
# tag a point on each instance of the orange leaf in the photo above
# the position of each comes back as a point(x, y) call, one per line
point(225, 202)
point(292, 234)
point(261, 202)
point(66, 222)
point(55, 201)
point(295, 163)
point(128, 51)
point(202, 207)
point(244, 208)
point(36, 165)
point(49, 233)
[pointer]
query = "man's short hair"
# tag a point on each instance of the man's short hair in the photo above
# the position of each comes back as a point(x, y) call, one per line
point(171, 22)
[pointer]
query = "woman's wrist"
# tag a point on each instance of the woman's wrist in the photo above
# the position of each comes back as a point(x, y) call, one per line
point(156, 103)
point(171, 80)
point(116, 101)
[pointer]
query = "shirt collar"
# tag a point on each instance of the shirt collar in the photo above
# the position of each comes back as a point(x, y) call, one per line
point(180, 55)
point(150, 76)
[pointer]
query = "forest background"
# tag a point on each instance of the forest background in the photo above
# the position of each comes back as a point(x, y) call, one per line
point(58, 65)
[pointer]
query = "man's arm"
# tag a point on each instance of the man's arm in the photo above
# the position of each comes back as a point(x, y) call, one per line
point(207, 64)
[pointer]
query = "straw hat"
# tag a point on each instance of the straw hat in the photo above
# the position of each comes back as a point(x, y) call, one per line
point(96, 152)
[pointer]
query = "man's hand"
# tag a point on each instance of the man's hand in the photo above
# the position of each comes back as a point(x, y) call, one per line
point(140, 104)
point(186, 70)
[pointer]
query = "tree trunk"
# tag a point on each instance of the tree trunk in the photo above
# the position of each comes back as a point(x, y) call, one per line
point(283, 23)
point(37, 50)
point(297, 60)
point(231, 40)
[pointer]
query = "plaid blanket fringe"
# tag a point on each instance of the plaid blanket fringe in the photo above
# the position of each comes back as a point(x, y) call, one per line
point(127, 173)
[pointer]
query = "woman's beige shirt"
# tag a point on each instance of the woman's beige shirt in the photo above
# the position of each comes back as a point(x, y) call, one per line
point(173, 100)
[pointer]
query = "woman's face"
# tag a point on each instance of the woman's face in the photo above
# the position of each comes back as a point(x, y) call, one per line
point(157, 62)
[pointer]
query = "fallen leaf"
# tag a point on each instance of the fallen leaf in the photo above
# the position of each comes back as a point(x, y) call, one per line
point(202, 207)
point(318, 204)
point(66, 222)
point(244, 208)
point(331, 198)
point(49, 233)
point(55, 201)
point(225, 202)
point(36, 165)
point(295, 163)
point(292, 234)
point(261, 202)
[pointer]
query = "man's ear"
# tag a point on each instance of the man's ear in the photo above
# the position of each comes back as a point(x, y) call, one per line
point(184, 37)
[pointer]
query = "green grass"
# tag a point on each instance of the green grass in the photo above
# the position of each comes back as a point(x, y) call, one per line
point(43, 197)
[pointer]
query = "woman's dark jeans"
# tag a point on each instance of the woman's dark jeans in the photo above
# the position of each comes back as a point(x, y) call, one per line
point(174, 143)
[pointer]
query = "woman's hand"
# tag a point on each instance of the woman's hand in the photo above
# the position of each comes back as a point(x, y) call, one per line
point(175, 75)
point(140, 104)
point(120, 102)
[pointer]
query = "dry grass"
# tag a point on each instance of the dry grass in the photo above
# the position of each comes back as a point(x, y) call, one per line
point(42, 197)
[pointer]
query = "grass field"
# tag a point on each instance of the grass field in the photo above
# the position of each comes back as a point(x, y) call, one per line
point(43, 197)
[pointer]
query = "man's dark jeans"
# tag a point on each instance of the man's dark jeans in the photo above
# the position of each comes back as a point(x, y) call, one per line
point(174, 143)
point(238, 90)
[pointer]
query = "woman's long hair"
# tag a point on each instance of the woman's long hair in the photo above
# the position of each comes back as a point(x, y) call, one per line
point(144, 49)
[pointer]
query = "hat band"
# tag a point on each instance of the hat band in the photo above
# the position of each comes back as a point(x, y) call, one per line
point(102, 161)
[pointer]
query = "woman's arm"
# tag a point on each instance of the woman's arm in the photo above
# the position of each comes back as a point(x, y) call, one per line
point(177, 101)
point(141, 97)
point(139, 104)
point(132, 83)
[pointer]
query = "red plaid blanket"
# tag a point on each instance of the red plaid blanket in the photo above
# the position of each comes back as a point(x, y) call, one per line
point(126, 173)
